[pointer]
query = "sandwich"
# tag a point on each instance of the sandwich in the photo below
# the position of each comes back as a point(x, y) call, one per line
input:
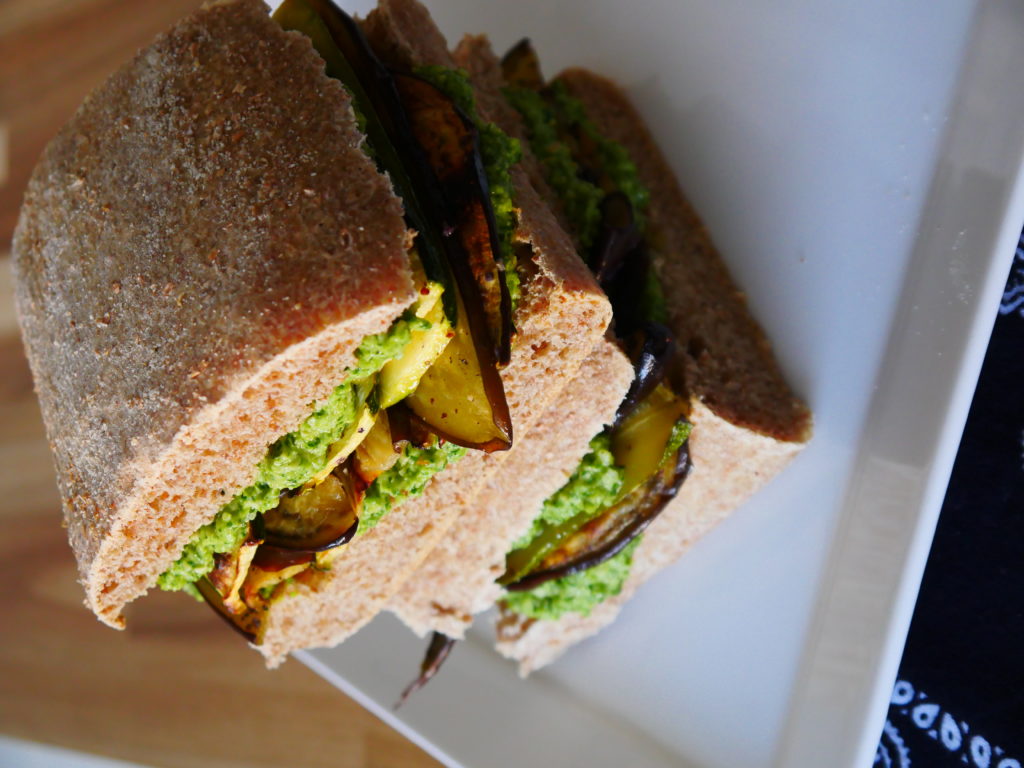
point(287, 307)
point(559, 543)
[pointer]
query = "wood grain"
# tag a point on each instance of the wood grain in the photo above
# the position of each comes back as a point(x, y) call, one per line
point(177, 688)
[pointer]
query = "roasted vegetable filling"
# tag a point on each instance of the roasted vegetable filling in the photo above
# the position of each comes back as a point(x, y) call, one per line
point(579, 550)
point(420, 394)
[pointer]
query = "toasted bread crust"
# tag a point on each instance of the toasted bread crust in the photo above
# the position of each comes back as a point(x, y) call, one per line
point(747, 422)
point(203, 234)
point(561, 315)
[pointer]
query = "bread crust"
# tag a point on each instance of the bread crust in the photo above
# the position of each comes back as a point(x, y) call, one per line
point(747, 422)
point(561, 316)
point(203, 233)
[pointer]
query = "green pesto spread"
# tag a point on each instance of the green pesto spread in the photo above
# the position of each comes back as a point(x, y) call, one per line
point(499, 153)
point(580, 199)
point(594, 486)
point(293, 458)
point(578, 593)
point(547, 116)
point(406, 479)
point(615, 161)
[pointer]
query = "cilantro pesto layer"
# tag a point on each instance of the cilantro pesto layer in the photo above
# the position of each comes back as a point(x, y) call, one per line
point(405, 480)
point(594, 486)
point(295, 457)
point(499, 153)
point(578, 593)
point(547, 118)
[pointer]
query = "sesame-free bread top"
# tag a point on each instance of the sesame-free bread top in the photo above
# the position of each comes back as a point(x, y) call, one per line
point(200, 250)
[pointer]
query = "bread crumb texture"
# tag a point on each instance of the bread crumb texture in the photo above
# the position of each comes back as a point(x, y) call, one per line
point(200, 251)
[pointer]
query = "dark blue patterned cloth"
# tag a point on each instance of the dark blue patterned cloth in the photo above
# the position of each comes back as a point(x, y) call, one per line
point(959, 697)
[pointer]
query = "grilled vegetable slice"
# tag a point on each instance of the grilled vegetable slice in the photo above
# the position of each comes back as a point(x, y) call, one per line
point(230, 570)
point(451, 145)
point(453, 398)
point(398, 378)
point(377, 453)
point(605, 536)
point(246, 623)
point(312, 519)
point(639, 442)
point(653, 349)
point(646, 445)
point(620, 238)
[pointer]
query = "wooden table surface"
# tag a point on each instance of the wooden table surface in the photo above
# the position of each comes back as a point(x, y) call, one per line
point(176, 688)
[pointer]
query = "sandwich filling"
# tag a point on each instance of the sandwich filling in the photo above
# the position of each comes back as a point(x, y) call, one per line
point(578, 551)
point(420, 394)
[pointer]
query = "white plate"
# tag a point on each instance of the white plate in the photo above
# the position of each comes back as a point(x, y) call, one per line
point(859, 166)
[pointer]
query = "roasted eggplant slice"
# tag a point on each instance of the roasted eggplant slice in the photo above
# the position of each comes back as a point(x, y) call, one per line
point(407, 427)
point(310, 520)
point(246, 623)
point(521, 562)
point(377, 453)
point(653, 349)
point(451, 144)
point(620, 238)
point(454, 398)
point(605, 536)
point(639, 442)
point(647, 446)
point(229, 572)
point(438, 650)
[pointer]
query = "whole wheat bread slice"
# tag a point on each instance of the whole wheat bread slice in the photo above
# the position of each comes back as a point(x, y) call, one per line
point(456, 581)
point(561, 317)
point(226, 293)
point(747, 422)
point(191, 262)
